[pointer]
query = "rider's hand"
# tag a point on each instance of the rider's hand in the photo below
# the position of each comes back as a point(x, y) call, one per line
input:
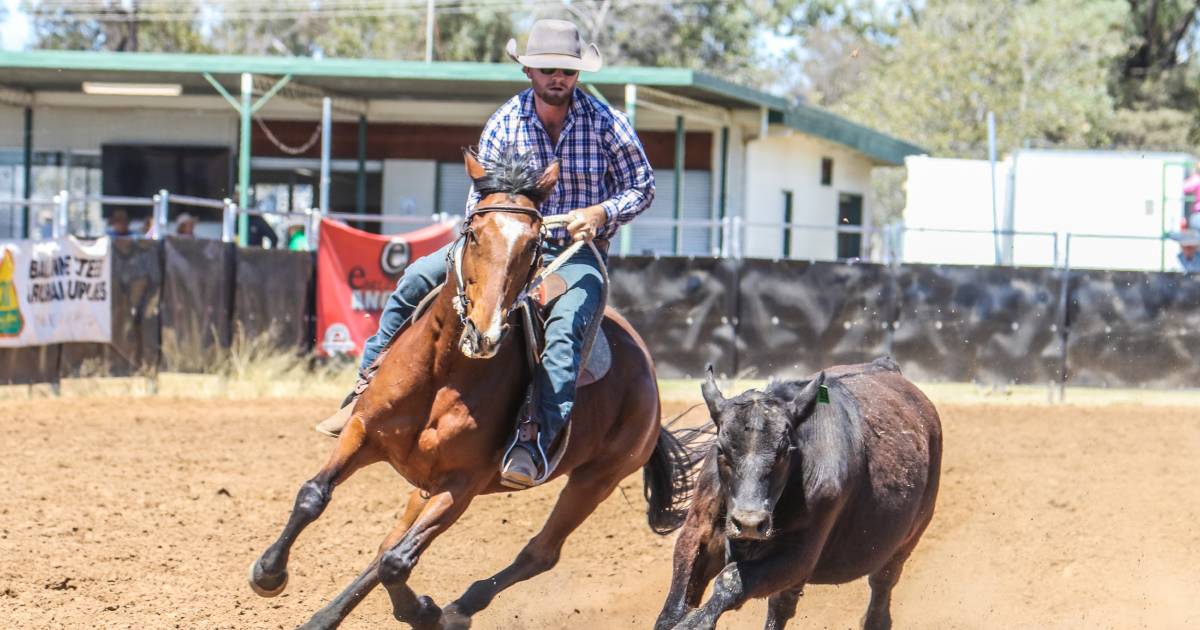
point(585, 223)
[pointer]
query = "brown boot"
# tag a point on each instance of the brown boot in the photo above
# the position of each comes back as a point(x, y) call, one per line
point(519, 471)
point(333, 425)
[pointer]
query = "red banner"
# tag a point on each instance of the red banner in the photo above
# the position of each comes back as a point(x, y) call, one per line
point(356, 272)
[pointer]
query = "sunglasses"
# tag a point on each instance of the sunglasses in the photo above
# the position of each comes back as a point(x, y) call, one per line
point(550, 71)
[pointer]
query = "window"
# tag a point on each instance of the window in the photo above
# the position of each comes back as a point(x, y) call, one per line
point(787, 221)
point(826, 171)
point(850, 210)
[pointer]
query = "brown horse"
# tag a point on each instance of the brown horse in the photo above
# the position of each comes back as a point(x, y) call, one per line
point(442, 419)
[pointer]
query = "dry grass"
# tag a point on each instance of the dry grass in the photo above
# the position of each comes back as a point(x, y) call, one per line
point(254, 367)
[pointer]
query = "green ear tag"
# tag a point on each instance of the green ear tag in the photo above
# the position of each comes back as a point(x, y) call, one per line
point(822, 394)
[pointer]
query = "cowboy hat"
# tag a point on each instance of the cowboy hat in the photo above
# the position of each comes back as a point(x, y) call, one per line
point(556, 44)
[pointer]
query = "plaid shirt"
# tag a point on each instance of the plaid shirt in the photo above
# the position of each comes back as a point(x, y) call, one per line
point(602, 159)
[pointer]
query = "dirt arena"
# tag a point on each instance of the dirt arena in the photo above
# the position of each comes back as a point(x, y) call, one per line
point(145, 513)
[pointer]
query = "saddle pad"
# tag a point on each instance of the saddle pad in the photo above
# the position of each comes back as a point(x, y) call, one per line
point(598, 362)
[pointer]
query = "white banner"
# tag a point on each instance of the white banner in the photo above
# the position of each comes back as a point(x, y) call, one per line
point(55, 291)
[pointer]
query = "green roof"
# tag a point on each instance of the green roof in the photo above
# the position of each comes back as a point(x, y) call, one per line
point(48, 70)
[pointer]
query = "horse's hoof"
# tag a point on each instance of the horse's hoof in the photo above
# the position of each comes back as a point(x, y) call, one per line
point(266, 586)
point(429, 615)
point(454, 620)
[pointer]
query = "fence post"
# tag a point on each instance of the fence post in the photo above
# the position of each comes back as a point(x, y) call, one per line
point(228, 220)
point(737, 237)
point(726, 229)
point(162, 202)
point(313, 220)
point(62, 206)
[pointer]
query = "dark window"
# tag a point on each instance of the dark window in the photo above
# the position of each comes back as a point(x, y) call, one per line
point(826, 171)
point(787, 220)
point(849, 213)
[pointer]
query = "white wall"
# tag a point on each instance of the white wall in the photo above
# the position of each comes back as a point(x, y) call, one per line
point(57, 128)
point(409, 189)
point(1098, 192)
point(950, 194)
point(793, 162)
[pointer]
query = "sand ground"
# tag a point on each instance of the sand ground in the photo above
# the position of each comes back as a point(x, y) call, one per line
point(144, 512)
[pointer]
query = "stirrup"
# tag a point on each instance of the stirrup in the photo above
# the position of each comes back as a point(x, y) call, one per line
point(527, 433)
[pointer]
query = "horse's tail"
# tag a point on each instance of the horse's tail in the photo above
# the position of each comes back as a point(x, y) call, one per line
point(669, 477)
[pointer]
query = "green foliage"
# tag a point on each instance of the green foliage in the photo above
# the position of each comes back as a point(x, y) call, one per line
point(1041, 66)
point(110, 25)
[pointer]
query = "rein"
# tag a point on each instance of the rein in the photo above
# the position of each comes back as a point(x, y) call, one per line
point(534, 278)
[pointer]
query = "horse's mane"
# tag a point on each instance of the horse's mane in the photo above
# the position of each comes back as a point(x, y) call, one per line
point(511, 173)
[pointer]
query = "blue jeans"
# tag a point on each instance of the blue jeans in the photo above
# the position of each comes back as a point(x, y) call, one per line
point(569, 318)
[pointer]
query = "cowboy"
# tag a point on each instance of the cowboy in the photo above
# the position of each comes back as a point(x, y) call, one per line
point(606, 181)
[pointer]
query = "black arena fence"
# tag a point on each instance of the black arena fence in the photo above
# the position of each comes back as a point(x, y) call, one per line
point(179, 303)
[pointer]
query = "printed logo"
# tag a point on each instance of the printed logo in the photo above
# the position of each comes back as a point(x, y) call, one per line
point(395, 257)
point(11, 321)
point(337, 339)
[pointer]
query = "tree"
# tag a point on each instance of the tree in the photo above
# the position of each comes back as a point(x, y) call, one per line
point(1041, 66)
point(115, 26)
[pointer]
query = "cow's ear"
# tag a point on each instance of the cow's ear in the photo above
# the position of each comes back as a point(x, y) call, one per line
point(815, 393)
point(712, 396)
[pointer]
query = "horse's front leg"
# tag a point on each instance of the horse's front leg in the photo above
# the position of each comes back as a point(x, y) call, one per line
point(335, 611)
point(397, 562)
point(268, 574)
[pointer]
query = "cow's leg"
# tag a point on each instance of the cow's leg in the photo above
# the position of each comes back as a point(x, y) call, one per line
point(780, 608)
point(879, 611)
point(576, 502)
point(789, 568)
point(699, 555)
point(397, 563)
point(268, 574)
point(335, 611)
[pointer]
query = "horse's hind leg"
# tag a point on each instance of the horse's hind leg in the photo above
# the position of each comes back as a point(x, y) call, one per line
point(268, 574)
point(576, 502)
point(780, 608)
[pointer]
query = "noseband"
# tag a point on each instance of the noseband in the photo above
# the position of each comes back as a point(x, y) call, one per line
point(454, 258)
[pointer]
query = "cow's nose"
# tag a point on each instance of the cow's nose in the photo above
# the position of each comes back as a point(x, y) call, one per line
point(750, 525)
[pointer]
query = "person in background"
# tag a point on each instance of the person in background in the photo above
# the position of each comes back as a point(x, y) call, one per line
point(1189, 257)
point(185, 226)
point(259, 233)
point(45, 224)
point(1191, 187)
point(297, 239)
point(118, 224)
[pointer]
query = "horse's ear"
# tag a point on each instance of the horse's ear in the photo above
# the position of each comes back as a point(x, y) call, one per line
point(712, 396)
point(813, 394)
point(475, 170)
point(548, 179)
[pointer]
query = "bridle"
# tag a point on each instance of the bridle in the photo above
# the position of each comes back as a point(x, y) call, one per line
point(454, 258)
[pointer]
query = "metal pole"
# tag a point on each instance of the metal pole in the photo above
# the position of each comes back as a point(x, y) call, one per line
point(228, 220)
point(161, 207)
point(991, 124)
point(326, 132)
point(244, 161)
point(26, 221)
point(721, 201)
point(679, 159)
point(360, 196)
point(429, 32)
point(626, 234)
point(62, 204)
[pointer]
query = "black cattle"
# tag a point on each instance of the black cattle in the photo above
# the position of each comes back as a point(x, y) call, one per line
point(820, 481)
